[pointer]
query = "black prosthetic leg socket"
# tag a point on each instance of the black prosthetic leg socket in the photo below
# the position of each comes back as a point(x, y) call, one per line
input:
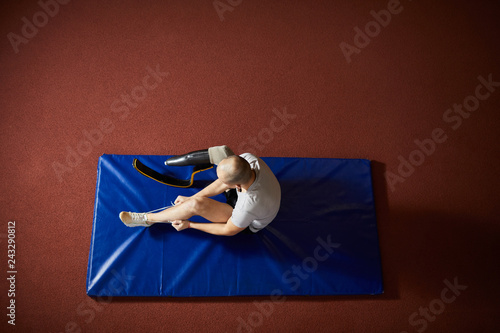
point(192, 158)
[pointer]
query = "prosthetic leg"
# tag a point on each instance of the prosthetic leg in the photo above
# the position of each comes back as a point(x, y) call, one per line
point(192, 158)
point(201, 159)
point(212, 155)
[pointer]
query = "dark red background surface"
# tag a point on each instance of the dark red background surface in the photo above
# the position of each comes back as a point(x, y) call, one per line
point(225, 79)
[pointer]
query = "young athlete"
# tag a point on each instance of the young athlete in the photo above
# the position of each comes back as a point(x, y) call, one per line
point(257, 202)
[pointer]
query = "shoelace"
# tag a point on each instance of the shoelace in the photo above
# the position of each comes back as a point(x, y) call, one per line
point(162, 208)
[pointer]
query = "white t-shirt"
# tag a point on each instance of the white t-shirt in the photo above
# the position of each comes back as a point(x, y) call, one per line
point(259, 205)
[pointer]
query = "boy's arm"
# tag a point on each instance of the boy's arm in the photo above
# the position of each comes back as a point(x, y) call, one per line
point(220, 229)
point(217, 187)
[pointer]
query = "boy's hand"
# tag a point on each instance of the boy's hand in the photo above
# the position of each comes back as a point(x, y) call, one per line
point(180, 199)
point(181, 225)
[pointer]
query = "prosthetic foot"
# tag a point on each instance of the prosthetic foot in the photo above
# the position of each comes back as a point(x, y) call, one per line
point(166, 179)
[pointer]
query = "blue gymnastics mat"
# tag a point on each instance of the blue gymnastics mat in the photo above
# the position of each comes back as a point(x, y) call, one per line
point(324, 240)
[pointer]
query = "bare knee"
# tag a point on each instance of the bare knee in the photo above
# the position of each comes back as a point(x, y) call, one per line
point(197, 205)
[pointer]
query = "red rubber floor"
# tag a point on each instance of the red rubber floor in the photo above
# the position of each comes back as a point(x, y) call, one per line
point(411, 85)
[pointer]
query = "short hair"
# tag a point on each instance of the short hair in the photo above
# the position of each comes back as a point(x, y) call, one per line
point(236, 170)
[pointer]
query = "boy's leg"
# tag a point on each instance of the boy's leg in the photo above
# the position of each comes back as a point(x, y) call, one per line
point(210, 209)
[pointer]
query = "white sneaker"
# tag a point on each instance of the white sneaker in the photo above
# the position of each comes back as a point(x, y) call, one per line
point(134, 219)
